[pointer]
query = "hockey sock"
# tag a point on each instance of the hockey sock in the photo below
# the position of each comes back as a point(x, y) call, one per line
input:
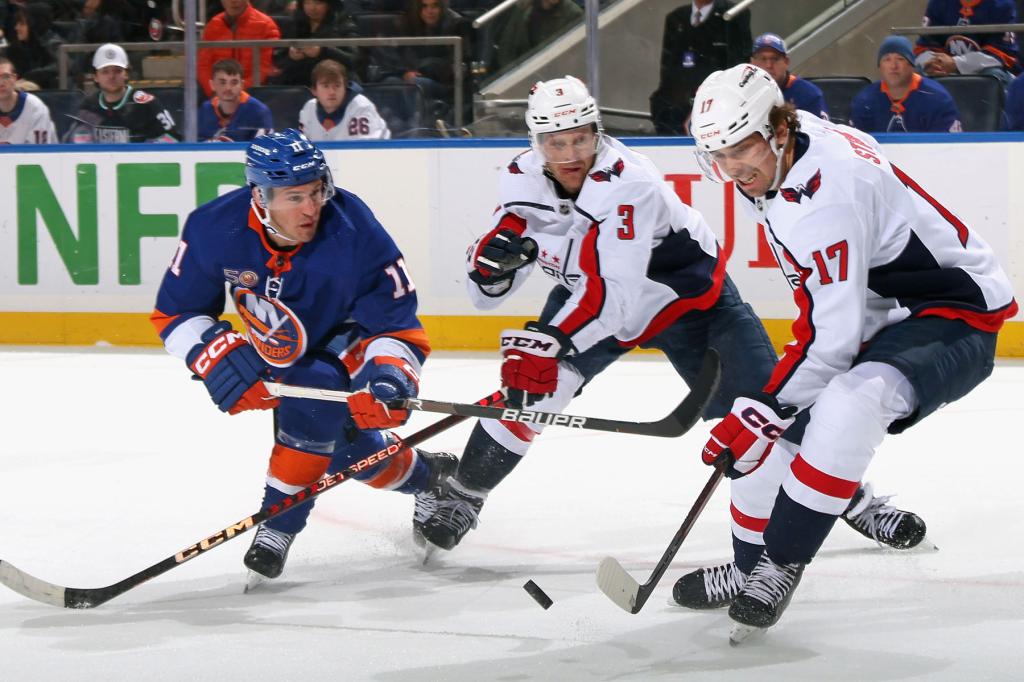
point(485, 462)
point(746, 553)
point(290, 522)
point(795, 532)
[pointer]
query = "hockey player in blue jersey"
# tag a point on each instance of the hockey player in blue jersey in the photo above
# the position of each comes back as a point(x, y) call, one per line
point(326, 301)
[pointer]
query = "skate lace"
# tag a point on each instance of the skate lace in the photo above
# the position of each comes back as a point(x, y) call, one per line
point(769, 582)
point(457, 513)
point(880, 519)
point(426, 505)
point(723, 582)
point(272, 539)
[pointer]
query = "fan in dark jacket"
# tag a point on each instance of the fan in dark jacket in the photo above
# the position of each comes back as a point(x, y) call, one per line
point(32, 45)
point(690, 53)
point(429, 66)
point(315, 19)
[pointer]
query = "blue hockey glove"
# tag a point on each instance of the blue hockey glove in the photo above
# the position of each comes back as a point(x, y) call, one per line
point(231, 369)
point(387, 379)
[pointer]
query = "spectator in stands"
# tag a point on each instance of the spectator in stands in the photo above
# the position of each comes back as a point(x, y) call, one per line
point(32, 46)
point(532, 23)
point(315, 19)
point(903, 100)
point(428, 66)
point(339, 110)
point(770, 54)
point(1013, 110)
point(119, 112)
point(103, 21)
point(993, 54)
point(24, 118)
point(697, 41)
point(232, 114)
point(238, 21)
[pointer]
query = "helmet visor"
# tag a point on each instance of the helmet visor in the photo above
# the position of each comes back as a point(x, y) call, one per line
point(316, 193)
point(568, 146)
point(739, 161)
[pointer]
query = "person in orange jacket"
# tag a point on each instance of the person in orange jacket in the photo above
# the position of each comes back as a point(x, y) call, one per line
point(238, 21)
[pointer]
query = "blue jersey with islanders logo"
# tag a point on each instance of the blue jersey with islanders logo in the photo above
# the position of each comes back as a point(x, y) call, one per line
point(342, 290)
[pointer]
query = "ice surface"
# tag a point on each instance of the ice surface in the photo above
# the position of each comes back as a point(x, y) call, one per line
point(111, 461)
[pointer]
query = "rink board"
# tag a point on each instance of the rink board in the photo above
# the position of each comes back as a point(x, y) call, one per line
point(87, 232)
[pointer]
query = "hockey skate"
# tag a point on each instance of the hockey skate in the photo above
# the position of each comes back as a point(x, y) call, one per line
point(763, 598)
point(441, 465)
point(709, 588)
point(266, 556)
point(873, 518)
point(458, 511)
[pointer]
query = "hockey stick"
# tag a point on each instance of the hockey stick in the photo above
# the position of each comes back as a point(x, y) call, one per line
point(675, 424)
point(90, 597)
point(622, 588)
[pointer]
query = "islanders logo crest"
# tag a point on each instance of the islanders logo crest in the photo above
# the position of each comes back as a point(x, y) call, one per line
point(273, 329)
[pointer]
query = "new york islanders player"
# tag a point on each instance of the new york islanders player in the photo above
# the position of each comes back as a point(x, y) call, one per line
point(899, 306)
point(632, 266)
point(24, 118)
point(326, 301)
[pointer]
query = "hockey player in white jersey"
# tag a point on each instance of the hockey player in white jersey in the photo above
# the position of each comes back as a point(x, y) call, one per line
point(899, 306)
point(632, 266)
point(24, 118)
point(339, 110)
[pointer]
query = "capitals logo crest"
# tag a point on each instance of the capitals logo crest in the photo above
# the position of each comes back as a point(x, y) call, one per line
point(800, 191)
point(273, 329)
point(607, 174)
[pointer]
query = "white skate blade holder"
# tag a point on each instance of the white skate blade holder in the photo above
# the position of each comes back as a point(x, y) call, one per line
point(253, 581)
point(741, 633)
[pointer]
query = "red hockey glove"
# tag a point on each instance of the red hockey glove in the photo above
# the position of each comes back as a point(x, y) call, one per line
point(747, 434)
point(500, 252)
point(231, 369)
point(386, 379)
point(529, 369)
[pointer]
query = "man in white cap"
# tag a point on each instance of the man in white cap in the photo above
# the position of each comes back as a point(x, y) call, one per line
point(119, 112)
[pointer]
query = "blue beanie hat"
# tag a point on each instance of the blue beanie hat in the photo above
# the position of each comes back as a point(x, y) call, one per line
point(896, 45)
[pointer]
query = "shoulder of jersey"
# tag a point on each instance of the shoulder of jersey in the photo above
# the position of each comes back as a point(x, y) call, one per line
point(522, 164)
point(142, 97)
point(226, 215)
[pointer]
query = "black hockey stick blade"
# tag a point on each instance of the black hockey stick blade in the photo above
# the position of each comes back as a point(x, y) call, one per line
point(675, 424)
point(91, 597)
point(622, 588)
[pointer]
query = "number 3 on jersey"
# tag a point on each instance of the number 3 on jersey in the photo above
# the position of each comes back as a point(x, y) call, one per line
point(400, 277)
point(626, 231)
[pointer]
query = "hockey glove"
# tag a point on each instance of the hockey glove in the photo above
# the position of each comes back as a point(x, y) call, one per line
point(231, 369)
point(529, 368)
point(387, 379)
point(747, 434)
point(499, 253)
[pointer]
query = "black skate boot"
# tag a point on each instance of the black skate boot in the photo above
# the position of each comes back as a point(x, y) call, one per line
point(458, 509)
point(873, 518)
point(441, 465)
point(268, 552)
point(764, 597)
point(709, 588)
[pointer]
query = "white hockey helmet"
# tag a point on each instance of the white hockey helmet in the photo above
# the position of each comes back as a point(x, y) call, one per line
point(561, 104)
point(729, 106)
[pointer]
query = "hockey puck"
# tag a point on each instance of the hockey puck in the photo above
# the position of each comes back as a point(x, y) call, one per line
point(539, 595)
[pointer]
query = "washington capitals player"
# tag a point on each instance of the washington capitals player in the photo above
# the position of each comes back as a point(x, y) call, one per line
point(899, 306)
point(632, 266)
point(326, 301)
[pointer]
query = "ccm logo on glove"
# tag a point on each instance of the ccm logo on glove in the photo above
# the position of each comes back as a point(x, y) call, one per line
point(221, 345)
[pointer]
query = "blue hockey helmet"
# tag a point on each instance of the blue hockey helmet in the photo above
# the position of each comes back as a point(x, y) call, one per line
point(286, 159)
